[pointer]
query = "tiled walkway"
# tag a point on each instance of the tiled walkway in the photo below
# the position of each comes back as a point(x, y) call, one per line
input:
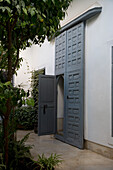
point(74, 159)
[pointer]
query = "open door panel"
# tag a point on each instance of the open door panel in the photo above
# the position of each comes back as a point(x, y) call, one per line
point(47, 105)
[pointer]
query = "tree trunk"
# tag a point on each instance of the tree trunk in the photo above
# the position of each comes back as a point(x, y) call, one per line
point(8, 104)
point(6, 131)
point(6, 134)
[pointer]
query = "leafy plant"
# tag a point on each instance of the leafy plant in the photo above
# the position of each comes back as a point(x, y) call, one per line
point(23, 23)
point(30, 101)
point(26, 117)
point(35, 89)
point(48, 163)
point(2, 165)
point(18, 151)
point(35, 85)
point(10, 97)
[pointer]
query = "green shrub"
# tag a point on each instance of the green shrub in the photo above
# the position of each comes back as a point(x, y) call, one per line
point(26, 117)
point(19, 153)
point(20, 157)
point(35, 88)
point(2, 166)
point(48, 163)
point(30, 101)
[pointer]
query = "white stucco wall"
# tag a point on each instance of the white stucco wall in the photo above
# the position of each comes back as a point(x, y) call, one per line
point(98, 76)
point(98, 42)
point(35, 58)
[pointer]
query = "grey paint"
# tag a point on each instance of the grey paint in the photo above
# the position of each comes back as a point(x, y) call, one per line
point(90, 13)
point(75, 45)
point(74, 85)
point(47, 105)
point(60, 53)
point(112, 92)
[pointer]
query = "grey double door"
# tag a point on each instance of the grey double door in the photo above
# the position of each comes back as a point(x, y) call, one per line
point(69, 61)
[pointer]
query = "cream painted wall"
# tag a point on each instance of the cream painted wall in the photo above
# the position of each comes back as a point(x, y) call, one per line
point(98, 42)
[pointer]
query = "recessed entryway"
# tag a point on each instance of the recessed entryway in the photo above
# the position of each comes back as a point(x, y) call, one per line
point(60, 105)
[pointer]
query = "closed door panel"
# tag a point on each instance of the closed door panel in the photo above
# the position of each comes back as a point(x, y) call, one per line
point(75, 44)
point(74, 109)
point(60, 53)
point(74, 86)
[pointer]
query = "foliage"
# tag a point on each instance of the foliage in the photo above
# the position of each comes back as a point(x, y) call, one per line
point(2, 166)
point(35, 88)
point(26, 117)
point(30, 101)
point(26, 22)
point(18, 151)
point(10, 97)
point(3, 76)
point(23, 23)
point(20, 157)
point(7, 91)
point(19, 154)
point(48, 163)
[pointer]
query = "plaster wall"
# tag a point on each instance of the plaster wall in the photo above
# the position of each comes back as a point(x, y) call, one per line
point(98, 42)
point(35, 58)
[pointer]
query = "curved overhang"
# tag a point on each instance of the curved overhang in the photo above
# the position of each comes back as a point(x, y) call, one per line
point(82, 18)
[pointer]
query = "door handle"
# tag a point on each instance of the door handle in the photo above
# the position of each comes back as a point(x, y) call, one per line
point(44, 109)
point(67, 97)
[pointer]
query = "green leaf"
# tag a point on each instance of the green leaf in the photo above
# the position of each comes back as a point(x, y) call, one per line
point(8, 1)
point(44, 15)
point(1, 85)
point(23, 4)
point(7, 83)
point(25, 10)
point(40, 18)
point(5, 8)
point(32, 11)
point(53, 1)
